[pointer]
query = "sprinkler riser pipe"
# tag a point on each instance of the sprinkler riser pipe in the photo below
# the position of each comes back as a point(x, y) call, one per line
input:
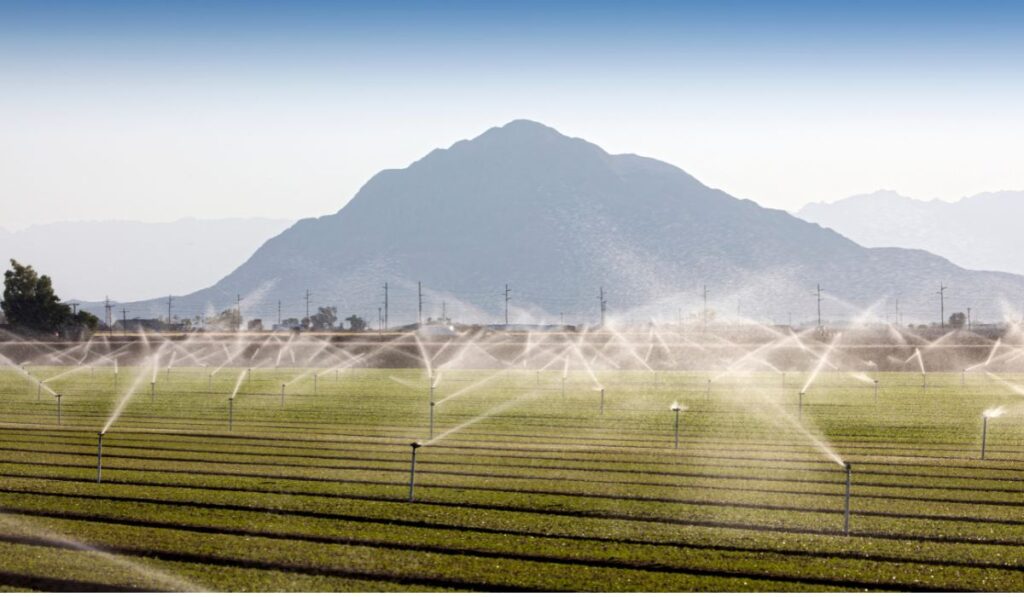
point(984, 435)
point(58, 408)
point(282, 395)
point(152, 391)
point(231, 413)
point(677, 430)
point(800, 405)
point(846, 504)
point(602, 401)
point(99, 457)
point(431, 420)
point(412, 472)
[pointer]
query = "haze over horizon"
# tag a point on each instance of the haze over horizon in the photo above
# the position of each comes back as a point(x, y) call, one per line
point(153, 112)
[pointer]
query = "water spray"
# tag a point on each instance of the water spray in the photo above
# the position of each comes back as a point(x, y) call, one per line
point(846, 505)
point(412, 469)
point(99, 457)
point(676, 408)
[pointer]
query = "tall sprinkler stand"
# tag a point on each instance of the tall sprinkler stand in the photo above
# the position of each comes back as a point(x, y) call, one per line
point(315, 384)
point(963, 377)
point(209, 382)
point(39, 391)
point(115, 380)
point(282, 395)
point(924, 381)
point(563, 386)
point(248, 375)
point(846, 505)
point(335, 374)
point(876, 390)
point(676, 408)
point(152, 391)
point(58, 408)
point(431, 419)
point(602, 401)
point(984, 435)
point(707, 392)
point(431, 392)
point(231, 413)
point(800, 405)
point(99, 457)
point(412, 469)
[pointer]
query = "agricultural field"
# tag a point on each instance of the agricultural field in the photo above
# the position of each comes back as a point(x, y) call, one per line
point(530, 481)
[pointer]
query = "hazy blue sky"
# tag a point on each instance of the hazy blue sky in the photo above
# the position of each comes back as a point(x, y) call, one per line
point(157, 110)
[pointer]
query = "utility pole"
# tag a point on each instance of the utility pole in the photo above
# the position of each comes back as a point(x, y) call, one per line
point(380, 321)
point(307, 304)
point(705, 316)
point(278, 312)
point(106, 305)
point(819, 306)
point(419, 295)
point(968, 319)
point(238, 309)
point(170, 300)
point(507, 290)
point(942, 305)
point(604, 305)
point(444, 311)
point(74, 308)
point(899, 322)
point(385, 305)
point(124, 322)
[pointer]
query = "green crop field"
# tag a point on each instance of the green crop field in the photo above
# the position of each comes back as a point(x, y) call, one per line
point(526, 485)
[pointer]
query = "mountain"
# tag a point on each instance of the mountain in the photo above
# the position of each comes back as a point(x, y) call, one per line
point(134, 260)
point(978, 232)
point(557, 219)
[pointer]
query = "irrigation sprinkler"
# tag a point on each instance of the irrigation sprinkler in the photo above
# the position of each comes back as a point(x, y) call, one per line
point(39, 391)
point(431, 419)
point(231, 412)
point(58, 408)
point(209, 382)
point(315, 384)
point(99, 457)
point(676, 408)
point(563, 386)
point(282, 395)
point(602, 401)
point(248, 375)
point(152, 391)
point(963, 377)
point(335, 375)
point(984, 434)
point(412, 469)
point(876, 390)
point(707, 392)
point(846, 505)
point(800, 405)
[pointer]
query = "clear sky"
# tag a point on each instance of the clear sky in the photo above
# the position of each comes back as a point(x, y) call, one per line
point(155, 110)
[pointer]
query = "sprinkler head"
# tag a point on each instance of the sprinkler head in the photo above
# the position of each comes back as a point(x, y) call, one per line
point(416, 445)
point(847, 466)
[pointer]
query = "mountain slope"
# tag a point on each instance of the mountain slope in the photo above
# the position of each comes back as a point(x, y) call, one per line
point(557, 218)
point(133, 260)
point(981, 231)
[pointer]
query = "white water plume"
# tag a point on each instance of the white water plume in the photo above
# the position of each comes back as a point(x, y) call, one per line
point(993, 413)
point(490, 413)
point(820, 364)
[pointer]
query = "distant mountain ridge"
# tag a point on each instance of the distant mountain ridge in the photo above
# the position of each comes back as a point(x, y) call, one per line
point(559, 218)
point(129, 260)
point(978, 232)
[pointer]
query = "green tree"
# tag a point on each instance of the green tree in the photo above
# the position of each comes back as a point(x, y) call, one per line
point(957, 320)
point(324, 318)
point(30, 302)
point(356, 323)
